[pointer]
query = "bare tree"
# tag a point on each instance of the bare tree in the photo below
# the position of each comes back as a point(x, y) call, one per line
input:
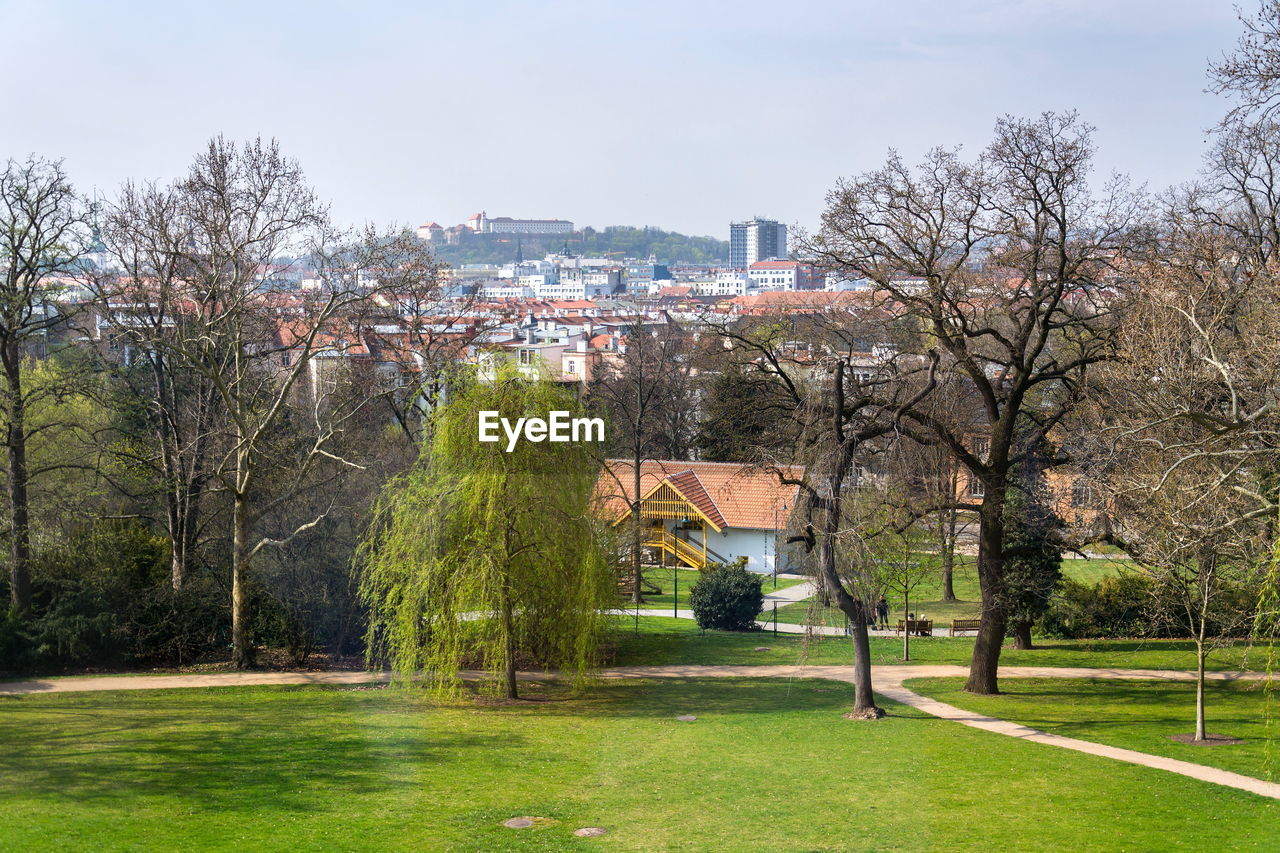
point(1006, 264)
point(648, 399)
point(147, 308)
point(43, 236)
point(1179, 502)
point(888, 542)
point(1251, 73)
point(256, 335)
point(831, 383)
point(1182, 432)
point(419, 324)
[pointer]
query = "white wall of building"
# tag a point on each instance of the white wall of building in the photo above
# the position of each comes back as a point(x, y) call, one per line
point(758, 546)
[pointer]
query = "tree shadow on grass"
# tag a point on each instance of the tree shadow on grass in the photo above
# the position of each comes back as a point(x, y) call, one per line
point(663, 699)
point(223, 753)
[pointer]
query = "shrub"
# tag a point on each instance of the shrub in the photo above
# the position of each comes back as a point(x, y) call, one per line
point(17, 651)
point(1120, 606)
point(727, 597)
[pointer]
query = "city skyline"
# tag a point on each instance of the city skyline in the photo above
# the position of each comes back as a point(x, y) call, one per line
point(677, 117)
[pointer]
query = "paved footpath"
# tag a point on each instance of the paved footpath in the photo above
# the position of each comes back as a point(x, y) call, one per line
point(887, 679)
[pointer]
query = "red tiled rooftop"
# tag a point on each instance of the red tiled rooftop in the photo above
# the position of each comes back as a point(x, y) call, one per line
point(743, 496)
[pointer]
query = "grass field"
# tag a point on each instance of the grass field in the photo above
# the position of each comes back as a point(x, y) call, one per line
point(768, 766)
point(926, 598)
point(665, 579)
point(1137, 715)
point(680, 641)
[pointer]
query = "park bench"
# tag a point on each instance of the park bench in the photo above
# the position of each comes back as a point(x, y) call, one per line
point(965, 625)
point(919, 627)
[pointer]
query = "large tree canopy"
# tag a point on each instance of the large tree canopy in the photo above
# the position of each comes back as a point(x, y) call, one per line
point(485, 558)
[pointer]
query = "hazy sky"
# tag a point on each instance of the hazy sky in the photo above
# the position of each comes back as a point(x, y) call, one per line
point(682, 114)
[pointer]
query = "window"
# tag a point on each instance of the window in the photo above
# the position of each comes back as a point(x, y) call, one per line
point(977, 488)
point(526, 356)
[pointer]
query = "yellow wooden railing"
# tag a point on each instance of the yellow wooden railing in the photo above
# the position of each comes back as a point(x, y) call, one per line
point(682, 549)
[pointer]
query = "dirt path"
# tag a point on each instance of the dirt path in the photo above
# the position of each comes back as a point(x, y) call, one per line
point(888, 681)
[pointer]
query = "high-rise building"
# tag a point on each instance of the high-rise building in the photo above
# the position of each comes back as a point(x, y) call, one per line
point(756, 240)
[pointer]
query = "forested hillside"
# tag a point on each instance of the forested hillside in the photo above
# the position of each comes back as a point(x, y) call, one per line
point(619, 241)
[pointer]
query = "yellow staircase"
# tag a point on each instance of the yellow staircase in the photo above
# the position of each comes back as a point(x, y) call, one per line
point(681, 549)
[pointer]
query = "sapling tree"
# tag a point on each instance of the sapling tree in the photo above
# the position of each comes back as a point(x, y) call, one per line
point(482, 557)
point(648, 397)
point(886, 545)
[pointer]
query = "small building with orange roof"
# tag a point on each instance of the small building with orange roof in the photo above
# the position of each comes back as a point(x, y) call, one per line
point(695, 513)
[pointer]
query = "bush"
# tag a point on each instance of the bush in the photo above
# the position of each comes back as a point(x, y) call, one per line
point(103, 598)
point(17, 651)
point(727, 597)
point(1116, 607)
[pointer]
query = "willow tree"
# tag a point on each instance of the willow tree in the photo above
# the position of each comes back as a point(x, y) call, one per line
point(484, 557)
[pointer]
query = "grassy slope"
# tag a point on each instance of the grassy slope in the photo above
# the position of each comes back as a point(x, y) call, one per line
point(679, 641)
point(1137, 715)
point(303, 769)
point(926, 597)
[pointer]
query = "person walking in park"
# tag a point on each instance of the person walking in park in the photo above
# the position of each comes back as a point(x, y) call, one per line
point(882, 613)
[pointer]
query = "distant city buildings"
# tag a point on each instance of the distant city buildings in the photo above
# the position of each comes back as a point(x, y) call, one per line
point(756, 240)
point(758, 263)
point(481, 223)
point(643, 276)
point(784, 275)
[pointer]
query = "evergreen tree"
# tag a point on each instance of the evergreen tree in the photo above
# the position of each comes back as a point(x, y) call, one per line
point(739, 419)
point(1033, 562)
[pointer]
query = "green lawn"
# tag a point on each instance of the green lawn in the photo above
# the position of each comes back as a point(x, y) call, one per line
point(1137, 715)
point(926, 597)
point(768, 765)
point(665, 578)
point(680, 641)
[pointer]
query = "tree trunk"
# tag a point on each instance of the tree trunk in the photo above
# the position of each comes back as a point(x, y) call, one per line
point(177, 550)
point(985, 664)
point(509, 648)
point(19, 506)
point(864, 698)
point(636, 598)
point(242, 656)
point(906, 624)
point(1022, 635)
point(1200, 655)
point(948, 542)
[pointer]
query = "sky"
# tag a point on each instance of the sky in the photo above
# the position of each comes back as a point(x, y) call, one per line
point(682, 115)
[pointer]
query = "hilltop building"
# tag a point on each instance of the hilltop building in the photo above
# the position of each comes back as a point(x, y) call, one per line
point(480, 223)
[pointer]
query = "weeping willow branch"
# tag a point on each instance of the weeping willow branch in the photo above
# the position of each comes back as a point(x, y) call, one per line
point(480, 558)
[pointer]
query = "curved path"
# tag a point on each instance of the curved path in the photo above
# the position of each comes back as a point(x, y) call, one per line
point(887, 679)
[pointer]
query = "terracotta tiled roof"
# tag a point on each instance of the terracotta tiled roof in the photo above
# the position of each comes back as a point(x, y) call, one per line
point(688, 484)
point(743, 496)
